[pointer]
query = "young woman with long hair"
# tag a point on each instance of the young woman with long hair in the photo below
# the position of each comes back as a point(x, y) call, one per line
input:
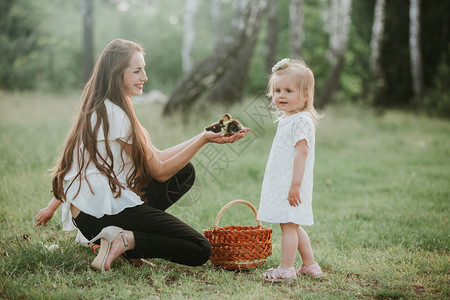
point(113, 184)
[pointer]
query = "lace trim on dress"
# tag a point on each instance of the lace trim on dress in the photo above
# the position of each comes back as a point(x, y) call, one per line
point(301, 129)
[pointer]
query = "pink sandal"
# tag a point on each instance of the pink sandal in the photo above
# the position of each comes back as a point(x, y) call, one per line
point(313, 270)
point(279, 274)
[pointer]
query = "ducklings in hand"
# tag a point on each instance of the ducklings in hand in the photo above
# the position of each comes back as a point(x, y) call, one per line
point(215, 127)
point(232, 127)
point(227, 125)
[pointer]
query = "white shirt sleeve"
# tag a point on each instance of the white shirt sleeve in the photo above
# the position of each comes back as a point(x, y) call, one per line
point(119, 124)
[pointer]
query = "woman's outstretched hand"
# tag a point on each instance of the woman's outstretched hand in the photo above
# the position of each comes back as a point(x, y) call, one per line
point(220, 138)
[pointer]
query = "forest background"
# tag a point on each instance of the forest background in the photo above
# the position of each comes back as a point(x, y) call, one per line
point(46, 45)
point(382, 164)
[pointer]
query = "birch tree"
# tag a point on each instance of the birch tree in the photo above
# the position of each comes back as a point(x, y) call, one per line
point(296, 27)
point(188, 34)
point(216, 17)
point(375, 46)
point(415, 50)
point(337, 23)
point(271, 43)
point(377, 35)
point(87, 9)
point(205, 74)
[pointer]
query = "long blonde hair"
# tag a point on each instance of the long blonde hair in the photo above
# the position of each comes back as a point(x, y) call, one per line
point(106, 82)
point(304, 80)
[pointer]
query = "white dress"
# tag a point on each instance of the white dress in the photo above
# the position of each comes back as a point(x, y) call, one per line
point(101, 200)
point(274, 205)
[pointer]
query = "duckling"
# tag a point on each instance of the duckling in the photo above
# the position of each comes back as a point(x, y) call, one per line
point(217, 126)
point(226, 125)
point(231, 126)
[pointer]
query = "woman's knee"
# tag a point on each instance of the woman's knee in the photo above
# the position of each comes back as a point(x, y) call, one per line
point(204, 253)
point(187, 174)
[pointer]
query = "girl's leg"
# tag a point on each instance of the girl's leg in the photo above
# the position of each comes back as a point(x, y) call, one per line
point(304, 247)
point(289, 244)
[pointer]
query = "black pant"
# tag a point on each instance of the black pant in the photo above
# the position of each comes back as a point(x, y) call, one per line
point(157, 233)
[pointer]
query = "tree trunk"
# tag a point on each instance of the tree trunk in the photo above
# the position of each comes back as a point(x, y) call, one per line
point(229, 88)
point(415, 50)
point(331, 84)
point(377, 35)
point(296, 28)
point(189, 35)
point(337, 16)
point(216, 16)
point(88, 45)
point(211, 69)
point(375, 48)
point(270, 48)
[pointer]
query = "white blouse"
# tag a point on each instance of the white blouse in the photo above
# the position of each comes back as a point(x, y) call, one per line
point(100, 201)
point(274, 204)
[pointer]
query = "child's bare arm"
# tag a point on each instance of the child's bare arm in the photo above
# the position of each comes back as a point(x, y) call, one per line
point(46, 214)
point(301, 152)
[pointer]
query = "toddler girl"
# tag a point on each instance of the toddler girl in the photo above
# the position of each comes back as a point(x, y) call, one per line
point(287, 187)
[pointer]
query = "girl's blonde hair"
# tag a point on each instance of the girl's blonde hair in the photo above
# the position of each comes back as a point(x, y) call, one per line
point(304, 80)
point(106, 82)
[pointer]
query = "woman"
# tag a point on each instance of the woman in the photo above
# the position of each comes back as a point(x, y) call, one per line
point(113, 183)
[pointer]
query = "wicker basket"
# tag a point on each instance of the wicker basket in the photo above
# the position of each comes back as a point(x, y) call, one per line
point(239, 247)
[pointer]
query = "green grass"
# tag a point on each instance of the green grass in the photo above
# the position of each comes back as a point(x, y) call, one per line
point(381, 207)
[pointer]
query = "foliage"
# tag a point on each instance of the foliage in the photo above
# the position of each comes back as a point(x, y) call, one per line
point(437, 100)
point(41, 46)
point(19, 44)
point(356, 80)
point(395, 57)
point(380, 206)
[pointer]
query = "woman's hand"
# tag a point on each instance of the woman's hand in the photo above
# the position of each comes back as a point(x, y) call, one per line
point(220, 138)
point(44, 216)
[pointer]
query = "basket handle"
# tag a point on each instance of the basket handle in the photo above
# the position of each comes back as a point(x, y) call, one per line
point(216, 222)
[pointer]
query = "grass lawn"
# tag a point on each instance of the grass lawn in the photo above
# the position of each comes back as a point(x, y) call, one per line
point(381, 207)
